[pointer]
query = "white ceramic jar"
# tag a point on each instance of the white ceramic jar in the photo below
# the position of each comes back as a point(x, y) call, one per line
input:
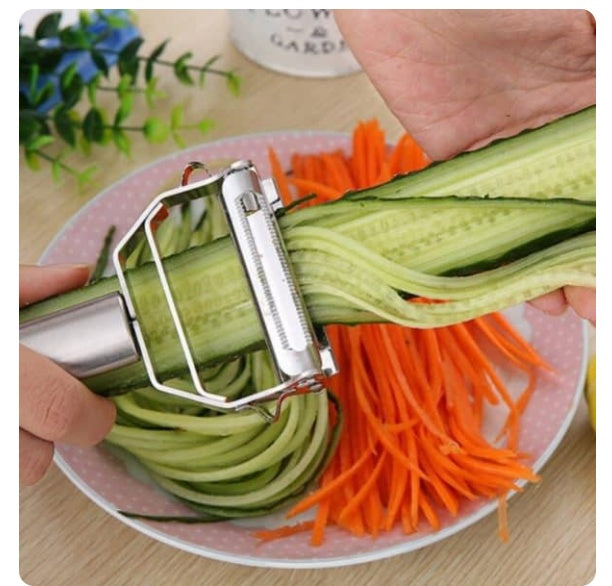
point(302, 42)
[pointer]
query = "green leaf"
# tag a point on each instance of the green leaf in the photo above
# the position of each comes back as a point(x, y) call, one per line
point(125, 85)
point(130, 50)
point(75, 38)
point(122, 141)
point(125, 108)
point(99, 61)
point(34, 70)
point(45, 128)
point(39, 142)
point(128, 61)
point(85, 176)
point(205, 125)
point(84, 145)
point(176, 117)
point(233, 83)
point(151, 92)
point(211, 61)
point(48, 26)
point(64, 125)
point(71, 86)
point(114, 21)
point(92, 88)
point(56, 171)
point(93, 125)
point(29, 127)
point(129, 67)
point(45, 93)
point(24, 101)
point(28, 50)
point(68, 74)
point(107, 135)
point(100, 37)
point(31, 53)
point(32, 160)
point(181, 70)
point(50, 59)
point(84, 19)
point(206, 67)
point(178, 140)
point(152, 58)
point(156, 130)
point(39, 95)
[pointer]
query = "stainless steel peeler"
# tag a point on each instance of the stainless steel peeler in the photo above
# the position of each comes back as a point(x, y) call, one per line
point(105, 333)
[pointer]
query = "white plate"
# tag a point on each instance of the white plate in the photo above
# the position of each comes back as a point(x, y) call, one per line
point(112, 483)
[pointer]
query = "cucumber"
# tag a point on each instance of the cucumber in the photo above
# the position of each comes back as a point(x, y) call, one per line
point(231, 465)
point(483, 231)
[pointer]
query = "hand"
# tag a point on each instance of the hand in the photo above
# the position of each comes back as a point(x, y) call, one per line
point(580, 299)
point(53, 405)
point(458, 79)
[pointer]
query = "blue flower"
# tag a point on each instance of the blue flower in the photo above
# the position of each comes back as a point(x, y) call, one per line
point(113, 39)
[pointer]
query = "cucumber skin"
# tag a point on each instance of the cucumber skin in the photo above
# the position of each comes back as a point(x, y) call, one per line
point(133, 376)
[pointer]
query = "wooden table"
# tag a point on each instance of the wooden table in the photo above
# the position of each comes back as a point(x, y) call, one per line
point(65, 539)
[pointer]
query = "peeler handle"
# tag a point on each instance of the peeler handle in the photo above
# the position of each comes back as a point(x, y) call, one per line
point(85, 340)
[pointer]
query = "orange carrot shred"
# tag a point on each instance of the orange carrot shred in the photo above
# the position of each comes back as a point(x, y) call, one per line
point(283, 531)
point(280, 177)
point(502, 509)
point(412, 443)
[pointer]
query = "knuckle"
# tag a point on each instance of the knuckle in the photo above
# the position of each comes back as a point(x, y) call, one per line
point(60, 410)
point(34, 463)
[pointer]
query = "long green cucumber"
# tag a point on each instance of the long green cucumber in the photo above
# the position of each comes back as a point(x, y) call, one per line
point(358, 259)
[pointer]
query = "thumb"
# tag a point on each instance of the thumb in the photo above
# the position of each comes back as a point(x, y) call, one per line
point(38, 282)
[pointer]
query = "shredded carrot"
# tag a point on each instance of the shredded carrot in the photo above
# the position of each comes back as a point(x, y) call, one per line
point(502, 511)
point(280, 177)
point(412, 443)
point(323, 192)
point(284, 531)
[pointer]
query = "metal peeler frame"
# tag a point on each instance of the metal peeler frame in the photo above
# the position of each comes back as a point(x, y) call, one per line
point(300, 353)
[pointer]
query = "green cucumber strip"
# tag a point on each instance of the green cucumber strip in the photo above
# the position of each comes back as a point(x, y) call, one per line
point(269, 487)
point(270, 447)
point(292, 478)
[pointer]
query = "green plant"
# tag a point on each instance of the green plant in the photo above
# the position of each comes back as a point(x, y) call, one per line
point(66, 74)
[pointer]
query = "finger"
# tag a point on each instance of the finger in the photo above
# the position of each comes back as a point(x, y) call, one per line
point(55, 406)
point(38, 282)
point(553, 303)
point(582, 301)
point(35, 457)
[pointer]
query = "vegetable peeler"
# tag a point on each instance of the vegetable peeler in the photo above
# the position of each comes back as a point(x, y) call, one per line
point(105, 333)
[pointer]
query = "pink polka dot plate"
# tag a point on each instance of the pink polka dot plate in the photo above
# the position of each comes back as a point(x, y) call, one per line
point(116, 484)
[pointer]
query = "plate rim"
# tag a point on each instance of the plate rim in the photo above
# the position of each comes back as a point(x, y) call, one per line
point(283, 563)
